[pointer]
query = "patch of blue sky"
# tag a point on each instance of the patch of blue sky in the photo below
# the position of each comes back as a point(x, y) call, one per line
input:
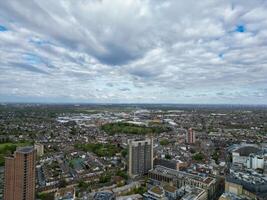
point(38, 41)
point(32, 58)
point(3, 28)
point(240, 29)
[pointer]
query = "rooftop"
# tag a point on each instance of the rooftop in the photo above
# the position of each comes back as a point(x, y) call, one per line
point(27, 149)
point(248, 176)
point(246, 150)
point(190, 193)
point(158, 190)
point(179, 174)
point(104, 196)
point(169, 188)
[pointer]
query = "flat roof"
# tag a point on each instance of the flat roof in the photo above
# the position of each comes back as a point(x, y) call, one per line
point(169, 188)
point(27, 149)
point(178, 174)
point(157, 190)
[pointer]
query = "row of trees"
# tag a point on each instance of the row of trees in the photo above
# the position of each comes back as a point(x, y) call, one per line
point(116, 128)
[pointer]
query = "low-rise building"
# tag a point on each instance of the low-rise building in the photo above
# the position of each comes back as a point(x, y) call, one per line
point(248, 183)
point(155, 193)
point(168, 192)
point(65, 194)
point(130, 197)
point(104, 195)
point(172, 164)
point(192, 193)
point(118, 191)
point(179, 179)
point(230, 196)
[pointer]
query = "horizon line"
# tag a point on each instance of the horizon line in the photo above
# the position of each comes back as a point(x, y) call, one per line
point(127, 103)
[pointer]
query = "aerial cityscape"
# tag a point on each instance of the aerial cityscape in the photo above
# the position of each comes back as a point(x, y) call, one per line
point(133, 151)
point(133, 100)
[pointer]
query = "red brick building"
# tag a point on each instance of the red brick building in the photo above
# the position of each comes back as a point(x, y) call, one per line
point(20, 175)
point(190, 136)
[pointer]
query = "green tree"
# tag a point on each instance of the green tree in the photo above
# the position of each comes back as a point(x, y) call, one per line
point(122, 174)
point(83, 185)
point(105, 178)
point(198, 156)
point(215, 157)
point(164, 142)
point(168, 157)
point(62, 183)
point(45, 196)
point(124, 153)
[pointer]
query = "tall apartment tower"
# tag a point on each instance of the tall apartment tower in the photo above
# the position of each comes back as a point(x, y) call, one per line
point(20, 175)
point(140, 156)
point(190, 136)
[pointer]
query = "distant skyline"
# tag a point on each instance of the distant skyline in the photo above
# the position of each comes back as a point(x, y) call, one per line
point(134, 51)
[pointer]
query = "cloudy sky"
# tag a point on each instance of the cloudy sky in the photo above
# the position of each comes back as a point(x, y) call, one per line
point(141, 51)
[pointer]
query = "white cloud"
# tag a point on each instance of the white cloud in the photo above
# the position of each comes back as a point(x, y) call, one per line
point(134, 51)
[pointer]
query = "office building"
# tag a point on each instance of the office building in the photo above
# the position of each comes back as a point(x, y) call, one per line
point(20, 175)
point(190, 136)
point(140, 156)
